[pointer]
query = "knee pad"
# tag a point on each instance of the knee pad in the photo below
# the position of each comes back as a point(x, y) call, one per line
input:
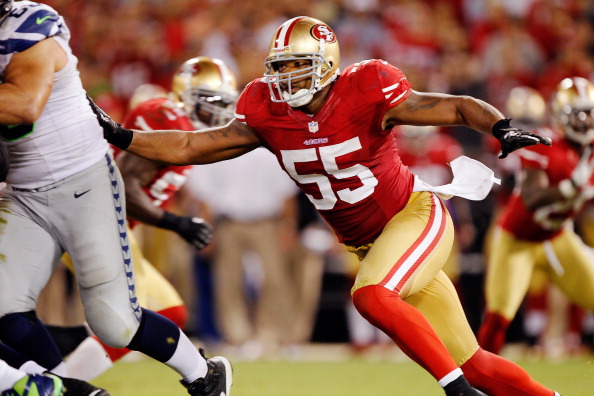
point(110, 326)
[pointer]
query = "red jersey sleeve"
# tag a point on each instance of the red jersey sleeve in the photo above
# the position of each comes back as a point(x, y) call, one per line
point(254, 103)
point(380, 82)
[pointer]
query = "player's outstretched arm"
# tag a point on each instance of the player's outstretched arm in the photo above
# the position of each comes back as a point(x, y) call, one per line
point(422, 108)
point(178, 147)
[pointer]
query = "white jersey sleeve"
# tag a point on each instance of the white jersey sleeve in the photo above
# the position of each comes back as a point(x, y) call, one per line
point(66, 138)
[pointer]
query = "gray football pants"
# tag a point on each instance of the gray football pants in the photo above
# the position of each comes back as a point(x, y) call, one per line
point(83, 215)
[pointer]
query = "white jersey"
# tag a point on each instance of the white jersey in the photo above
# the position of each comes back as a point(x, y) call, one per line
point(67, 137)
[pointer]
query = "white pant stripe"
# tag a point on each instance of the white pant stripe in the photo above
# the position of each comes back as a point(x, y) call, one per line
point(421, 248)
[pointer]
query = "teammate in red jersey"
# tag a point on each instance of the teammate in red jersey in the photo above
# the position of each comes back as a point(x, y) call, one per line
point(331, 132)
point(535, 230)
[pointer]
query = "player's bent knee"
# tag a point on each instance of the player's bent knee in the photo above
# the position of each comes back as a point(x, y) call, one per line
point(366, 299)
point(111, 327)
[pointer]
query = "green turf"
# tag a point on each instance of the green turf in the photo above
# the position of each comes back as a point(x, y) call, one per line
point(348, 378)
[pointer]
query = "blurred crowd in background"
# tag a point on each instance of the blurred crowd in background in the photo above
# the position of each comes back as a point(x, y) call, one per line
point(483, 48)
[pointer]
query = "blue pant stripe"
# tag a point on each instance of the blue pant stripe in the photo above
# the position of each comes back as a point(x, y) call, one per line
point(126, 251)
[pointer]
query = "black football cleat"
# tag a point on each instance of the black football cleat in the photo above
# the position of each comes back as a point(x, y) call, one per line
point(461, 387)
point(218, 379)
point(76, 387)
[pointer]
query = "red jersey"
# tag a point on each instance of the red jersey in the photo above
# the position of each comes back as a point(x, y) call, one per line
point(558, 161)
point(156, 114)
point(340, 157)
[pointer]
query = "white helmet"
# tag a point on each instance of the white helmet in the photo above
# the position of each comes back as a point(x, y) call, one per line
point(302, 38)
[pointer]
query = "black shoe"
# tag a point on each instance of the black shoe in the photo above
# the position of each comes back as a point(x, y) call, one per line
point(461, 387)
point(218, 380)
point(76, 387)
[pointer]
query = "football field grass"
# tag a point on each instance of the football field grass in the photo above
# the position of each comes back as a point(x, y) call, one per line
point(352, 377)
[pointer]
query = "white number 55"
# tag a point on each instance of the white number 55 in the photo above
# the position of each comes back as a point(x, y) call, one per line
point(328, 155)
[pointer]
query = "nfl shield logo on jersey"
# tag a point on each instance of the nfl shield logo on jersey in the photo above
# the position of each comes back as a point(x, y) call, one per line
point(313, 126)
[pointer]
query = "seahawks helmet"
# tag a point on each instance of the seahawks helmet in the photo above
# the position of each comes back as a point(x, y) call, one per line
point(206, 89)
point(572, 108)
point(302, 38)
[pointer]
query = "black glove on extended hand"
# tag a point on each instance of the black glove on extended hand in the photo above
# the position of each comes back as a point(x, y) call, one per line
point(112, 131)
point(512, 138)
point(194, 230)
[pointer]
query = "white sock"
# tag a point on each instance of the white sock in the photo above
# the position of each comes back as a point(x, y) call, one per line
point(88, 360)
point(9, 376)
point(32, 367)
point(60, 370)
point(450, 377)
point(187, 361)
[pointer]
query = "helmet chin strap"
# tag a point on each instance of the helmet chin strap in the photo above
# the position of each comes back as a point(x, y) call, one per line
point(304, 96)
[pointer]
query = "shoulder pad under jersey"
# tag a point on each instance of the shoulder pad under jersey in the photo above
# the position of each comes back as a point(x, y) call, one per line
point(27, 24)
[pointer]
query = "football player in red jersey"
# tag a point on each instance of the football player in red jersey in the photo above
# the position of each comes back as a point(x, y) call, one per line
point(331, 132)
point(203, 94)
point(535, 230)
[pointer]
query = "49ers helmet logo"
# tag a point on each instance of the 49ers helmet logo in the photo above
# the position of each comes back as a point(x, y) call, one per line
point(323, 32)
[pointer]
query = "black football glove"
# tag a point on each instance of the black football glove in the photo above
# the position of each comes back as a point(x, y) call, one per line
point(194, 230)
point(113, 132)
point(512, 138)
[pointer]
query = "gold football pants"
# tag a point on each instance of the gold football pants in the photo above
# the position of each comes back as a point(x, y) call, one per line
point(512, 263)
point(408, 258)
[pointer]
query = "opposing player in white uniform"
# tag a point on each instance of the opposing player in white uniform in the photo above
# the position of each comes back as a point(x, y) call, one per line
point(203, 94)
point(332, 133)
point(13, 381)
point(64, 194)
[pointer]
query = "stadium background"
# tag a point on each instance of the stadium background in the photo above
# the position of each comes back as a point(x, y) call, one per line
point(483, 48)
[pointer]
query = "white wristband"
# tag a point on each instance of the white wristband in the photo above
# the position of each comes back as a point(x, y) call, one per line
point(567, 188)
